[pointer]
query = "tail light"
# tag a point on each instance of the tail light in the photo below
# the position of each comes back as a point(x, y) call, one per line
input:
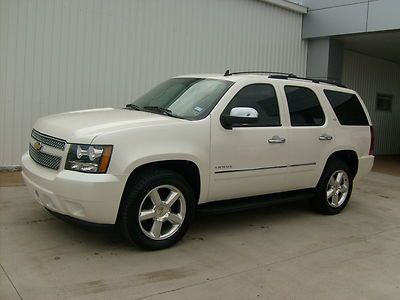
point(371, 147)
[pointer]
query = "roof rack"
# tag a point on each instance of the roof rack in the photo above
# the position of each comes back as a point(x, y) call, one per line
point(283, 75)
point(291, 76)
point(227, 73)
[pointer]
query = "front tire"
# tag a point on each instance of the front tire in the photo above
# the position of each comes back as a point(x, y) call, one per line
point(157, 209)
point(334, 188)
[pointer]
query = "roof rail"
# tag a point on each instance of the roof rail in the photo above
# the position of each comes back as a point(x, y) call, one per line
point(291, 76)
point(227, 73)
point(283, 75)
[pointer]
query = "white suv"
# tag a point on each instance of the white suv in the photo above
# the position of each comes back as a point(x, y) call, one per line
point(197, 139)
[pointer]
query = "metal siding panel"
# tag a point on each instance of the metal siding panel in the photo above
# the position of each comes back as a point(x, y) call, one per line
point(383, 15)
point(4, 58)
point(318, 4)
point(369, 76)
point(336, 20)
point(61, 55)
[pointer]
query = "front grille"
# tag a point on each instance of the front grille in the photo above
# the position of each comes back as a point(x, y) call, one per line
point(44, 159)
point(48, 140)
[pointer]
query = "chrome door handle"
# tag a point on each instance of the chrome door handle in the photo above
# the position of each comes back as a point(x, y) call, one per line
point(276, 140)
point(325, 137)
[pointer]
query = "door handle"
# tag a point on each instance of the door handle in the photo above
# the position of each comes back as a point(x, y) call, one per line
point(276, 140)
point(325, 137)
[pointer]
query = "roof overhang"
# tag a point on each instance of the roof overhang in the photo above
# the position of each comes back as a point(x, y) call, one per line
point(381, 44)
point(288, 5)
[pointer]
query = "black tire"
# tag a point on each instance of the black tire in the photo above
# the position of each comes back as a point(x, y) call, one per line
point(128, 218)
point(320, 202)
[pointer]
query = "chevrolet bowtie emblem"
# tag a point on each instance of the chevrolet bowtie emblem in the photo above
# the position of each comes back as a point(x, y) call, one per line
point(38, 146)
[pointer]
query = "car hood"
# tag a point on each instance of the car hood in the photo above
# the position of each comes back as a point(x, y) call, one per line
point(84, 125)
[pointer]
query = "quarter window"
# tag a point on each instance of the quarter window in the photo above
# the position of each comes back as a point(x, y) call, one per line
point(261, 97)
point(347, 108)
point(304, 107)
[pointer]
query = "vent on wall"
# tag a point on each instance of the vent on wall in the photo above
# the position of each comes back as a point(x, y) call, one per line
point(384, 102)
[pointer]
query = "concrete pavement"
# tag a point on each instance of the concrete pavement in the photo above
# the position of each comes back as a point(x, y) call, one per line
point(282, 252)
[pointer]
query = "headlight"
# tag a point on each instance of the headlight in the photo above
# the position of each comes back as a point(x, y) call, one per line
point(88, 158)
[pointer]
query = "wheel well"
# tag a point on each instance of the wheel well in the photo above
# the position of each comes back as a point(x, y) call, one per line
point(349, 157)
point(187, 169)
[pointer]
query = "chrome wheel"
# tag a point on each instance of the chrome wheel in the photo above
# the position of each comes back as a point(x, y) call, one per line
point(162, 212)
point(337, 188)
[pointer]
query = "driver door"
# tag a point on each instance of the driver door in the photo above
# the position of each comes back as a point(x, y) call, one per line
point(249, 159)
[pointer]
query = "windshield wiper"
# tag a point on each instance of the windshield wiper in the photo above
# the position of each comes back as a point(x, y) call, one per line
point(133, 106)
point(164, 111)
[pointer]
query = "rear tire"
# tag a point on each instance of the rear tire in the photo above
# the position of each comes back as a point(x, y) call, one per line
point(157, 209)
point(334, 188)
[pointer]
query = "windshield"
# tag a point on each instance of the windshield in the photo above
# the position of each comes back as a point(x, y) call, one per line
point(189, 98)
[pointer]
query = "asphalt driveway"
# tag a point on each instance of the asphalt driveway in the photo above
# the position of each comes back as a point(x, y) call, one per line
point(282, 252)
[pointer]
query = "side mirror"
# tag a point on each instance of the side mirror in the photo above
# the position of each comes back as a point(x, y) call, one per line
point(239, 116)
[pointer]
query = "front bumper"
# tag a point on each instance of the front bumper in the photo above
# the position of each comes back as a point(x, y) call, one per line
point(90, 197)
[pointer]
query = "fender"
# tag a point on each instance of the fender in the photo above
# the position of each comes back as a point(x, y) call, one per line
point(203, 171)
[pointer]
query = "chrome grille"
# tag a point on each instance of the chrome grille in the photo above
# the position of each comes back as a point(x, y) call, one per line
point(44, 159)
point(48, 140)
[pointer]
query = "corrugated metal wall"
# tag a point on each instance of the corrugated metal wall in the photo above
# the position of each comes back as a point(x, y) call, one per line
point(59, 55)
point(369, 76)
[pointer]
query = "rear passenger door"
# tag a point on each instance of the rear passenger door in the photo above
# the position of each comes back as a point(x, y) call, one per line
point(309, 137)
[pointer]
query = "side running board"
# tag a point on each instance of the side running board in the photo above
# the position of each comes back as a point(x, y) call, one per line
point(234, 205)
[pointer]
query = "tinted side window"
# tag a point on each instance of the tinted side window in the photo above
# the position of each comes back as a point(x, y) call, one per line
point(347, 108)
point(304, 107)
point(261, 97)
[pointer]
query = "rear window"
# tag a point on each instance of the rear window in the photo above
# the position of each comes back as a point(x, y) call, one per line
point(347, 108)
point(304, 107)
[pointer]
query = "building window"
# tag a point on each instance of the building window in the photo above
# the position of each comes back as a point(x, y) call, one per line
point(384, 102)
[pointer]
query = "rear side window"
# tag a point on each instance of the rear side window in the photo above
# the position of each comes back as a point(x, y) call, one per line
point(304, 107)
point(347, 108)
point(261, 97)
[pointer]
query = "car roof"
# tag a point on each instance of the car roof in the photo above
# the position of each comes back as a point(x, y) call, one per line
point(265, 77)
